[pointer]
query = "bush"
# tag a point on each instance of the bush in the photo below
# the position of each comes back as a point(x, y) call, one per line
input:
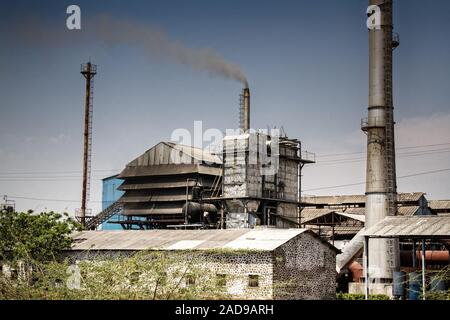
point(354, 296)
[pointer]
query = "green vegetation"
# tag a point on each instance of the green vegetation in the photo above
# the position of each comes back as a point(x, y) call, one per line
point(354, 296)
point(34, 237)
point(145, 275)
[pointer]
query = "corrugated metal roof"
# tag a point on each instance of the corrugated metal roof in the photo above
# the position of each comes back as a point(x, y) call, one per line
point(196, 153)
point(359, 211)
point(407, 210)
point(412, 196)
point(402, 210)
point(355, 199)
point(309, 214)
point(334, 200)
point(439, 204)
point(165, 153)
point(358, 217)
point(155, 185)
point(266, 239)
point(414, 226)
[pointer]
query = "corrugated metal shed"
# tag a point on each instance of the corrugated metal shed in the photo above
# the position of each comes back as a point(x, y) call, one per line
point(266, 239)
point(439, 204)
point(411, 227)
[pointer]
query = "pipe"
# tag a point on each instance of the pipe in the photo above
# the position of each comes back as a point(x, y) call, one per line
point(423, 269)
point(431, 257)
point(366, 267)
point(246, 109)
point(357, 271)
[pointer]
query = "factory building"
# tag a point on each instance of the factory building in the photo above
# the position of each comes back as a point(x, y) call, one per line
point(339, 219)
point(261, 263)
point(414, 203)
point(262, 180)
point(162, 181)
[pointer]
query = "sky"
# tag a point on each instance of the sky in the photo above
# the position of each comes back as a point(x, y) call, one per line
point(306, 63)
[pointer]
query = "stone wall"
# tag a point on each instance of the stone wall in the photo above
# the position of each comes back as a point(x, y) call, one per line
point(304, 268)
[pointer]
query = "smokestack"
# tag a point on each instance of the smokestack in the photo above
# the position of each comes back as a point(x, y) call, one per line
point(381, 189)
point(245, 109)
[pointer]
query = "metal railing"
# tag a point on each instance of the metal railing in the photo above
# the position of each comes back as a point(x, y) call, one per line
point(308, 156)
point(375, 122)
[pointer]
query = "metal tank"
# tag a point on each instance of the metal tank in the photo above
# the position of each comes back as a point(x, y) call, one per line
point(200, 212)
point(381, 194)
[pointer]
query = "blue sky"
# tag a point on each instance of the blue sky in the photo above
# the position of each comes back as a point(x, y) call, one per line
point(306, 62)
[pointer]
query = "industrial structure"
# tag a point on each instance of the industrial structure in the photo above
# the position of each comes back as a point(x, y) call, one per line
point(88, 70)
point(264, 261)
point(165, 186)
point(381, 187)
point(254, 181)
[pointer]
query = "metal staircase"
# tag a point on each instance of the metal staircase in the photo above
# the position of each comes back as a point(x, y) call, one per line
point(216, 187)
point(103, 216)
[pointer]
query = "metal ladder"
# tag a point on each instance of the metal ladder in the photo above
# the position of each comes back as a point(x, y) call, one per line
point(216, 187)
point(391, 187)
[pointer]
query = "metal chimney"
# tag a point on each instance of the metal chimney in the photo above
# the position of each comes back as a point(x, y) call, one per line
point(381, 188)
point(245, 110)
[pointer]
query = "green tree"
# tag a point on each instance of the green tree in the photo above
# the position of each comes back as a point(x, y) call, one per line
point(31, 237)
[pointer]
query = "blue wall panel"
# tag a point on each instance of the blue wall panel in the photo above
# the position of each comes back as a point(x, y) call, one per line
point(110, 194)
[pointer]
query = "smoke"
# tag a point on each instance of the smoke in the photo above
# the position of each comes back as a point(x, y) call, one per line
point(155, 42)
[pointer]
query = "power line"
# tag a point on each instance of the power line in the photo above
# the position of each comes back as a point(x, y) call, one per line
point(362, 183)
point(398, 148)
point(50, 200)
point(313, 189)
point(399, 155)
point(53, 172)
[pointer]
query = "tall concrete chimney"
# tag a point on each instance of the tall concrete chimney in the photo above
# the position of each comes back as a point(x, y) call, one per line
point(245, 110)
point(381, 188)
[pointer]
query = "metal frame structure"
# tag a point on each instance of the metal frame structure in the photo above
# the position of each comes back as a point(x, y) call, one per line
point(88, 70)
point(416, 229)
